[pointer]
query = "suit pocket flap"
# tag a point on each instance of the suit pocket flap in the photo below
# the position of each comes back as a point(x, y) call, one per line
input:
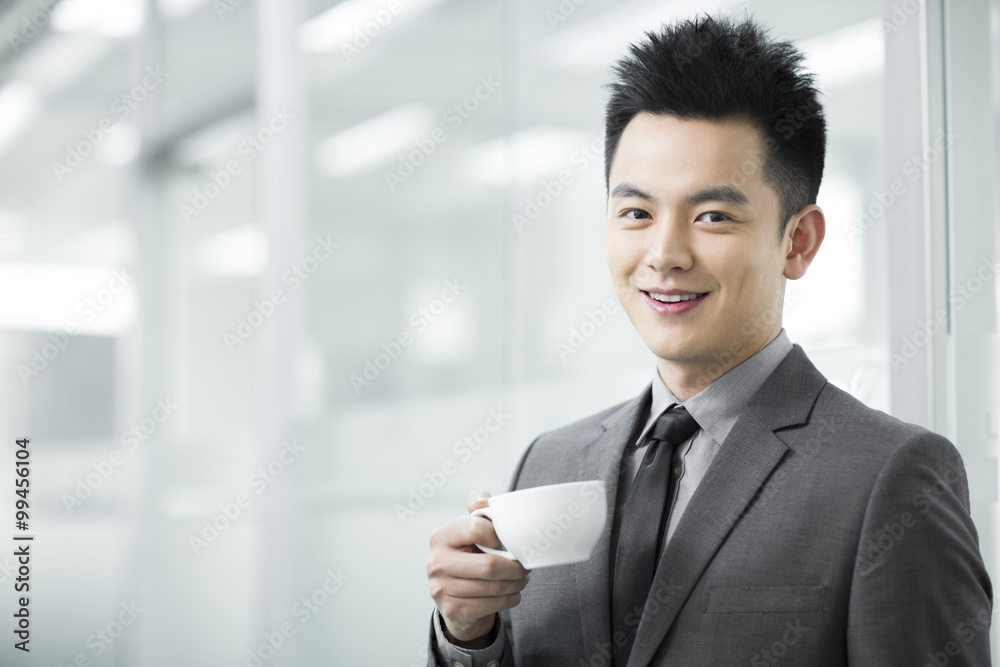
point(765, 599)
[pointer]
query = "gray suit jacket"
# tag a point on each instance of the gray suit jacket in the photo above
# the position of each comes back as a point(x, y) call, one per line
point(824, 533)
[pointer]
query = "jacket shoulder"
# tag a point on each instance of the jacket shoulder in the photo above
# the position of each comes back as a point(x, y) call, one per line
point(586, 424)
point(863, 443)
point(872, 428)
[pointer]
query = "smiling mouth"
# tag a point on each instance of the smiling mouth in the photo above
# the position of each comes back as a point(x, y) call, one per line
point(674, 298)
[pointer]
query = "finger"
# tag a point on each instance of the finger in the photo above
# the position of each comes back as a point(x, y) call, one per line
point(486, 534)
point(483, 588)
point(465, 531)
point(477, 499)
point(455, 607)
point(478, 566)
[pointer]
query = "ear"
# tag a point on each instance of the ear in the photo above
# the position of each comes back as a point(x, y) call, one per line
point(803, 237)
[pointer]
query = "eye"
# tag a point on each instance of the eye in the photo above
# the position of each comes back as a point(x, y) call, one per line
point(634, 214)
point(714, 216)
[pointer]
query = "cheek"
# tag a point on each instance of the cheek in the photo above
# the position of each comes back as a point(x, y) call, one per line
point(727, 264)
point(619, 256)
point(745, 287)
point(756, 285)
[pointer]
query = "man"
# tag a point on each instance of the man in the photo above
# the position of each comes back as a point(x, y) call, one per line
point(796, 524)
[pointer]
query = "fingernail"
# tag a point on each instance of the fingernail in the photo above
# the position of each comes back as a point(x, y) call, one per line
point(476, 496)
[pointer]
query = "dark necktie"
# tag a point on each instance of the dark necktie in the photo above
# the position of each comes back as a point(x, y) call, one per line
point(643, 522)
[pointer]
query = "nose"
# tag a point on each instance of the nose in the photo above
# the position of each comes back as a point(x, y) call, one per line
point(669, 247)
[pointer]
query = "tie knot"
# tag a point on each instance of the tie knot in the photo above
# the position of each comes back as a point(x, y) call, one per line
point(674, 426)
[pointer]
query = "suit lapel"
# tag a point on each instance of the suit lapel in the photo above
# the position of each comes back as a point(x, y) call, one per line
point(601, 459)
point(745, 460)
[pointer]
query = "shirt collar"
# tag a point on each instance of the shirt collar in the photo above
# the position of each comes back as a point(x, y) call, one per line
point(717, 407)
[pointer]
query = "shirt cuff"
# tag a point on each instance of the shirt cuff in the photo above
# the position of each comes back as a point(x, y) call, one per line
point(454, 656)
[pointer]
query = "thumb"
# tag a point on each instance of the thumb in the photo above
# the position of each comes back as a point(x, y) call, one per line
point(477, 499)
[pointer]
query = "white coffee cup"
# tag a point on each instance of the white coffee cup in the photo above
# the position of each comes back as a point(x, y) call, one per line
point(550, 525)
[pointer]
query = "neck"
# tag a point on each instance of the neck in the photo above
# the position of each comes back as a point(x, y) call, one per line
point(684, 379)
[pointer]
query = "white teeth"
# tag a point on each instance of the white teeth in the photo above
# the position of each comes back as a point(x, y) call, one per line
point(673, 298)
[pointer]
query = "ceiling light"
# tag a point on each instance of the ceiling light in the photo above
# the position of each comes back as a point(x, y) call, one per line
point(235, 253)
point(51, 297)
point(373, 140)
point(362, 19)
point(846, 55)
point(107, 18)
point(598, 42)
point(18, 104)
point(535, 152)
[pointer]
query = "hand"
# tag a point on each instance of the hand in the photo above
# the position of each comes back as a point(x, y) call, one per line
point(470, 586)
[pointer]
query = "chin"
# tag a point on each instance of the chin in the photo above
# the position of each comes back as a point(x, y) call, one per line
point(673, 352)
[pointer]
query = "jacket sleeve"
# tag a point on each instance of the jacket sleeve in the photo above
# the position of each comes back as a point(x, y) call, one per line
point(920, 592)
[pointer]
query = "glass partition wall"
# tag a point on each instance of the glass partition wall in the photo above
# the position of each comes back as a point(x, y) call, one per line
point(333, 265)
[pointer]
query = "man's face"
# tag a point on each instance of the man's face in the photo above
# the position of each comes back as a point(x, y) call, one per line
point(691, 217)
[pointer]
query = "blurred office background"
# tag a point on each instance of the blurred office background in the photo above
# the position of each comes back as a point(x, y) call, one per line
point(228, 225)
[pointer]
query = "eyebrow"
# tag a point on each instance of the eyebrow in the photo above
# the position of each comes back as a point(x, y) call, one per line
point(721, 193)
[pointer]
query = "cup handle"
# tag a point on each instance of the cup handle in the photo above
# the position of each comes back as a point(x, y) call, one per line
point(488, 513)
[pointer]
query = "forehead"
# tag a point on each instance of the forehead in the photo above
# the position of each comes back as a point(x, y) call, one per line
point(666, 153)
